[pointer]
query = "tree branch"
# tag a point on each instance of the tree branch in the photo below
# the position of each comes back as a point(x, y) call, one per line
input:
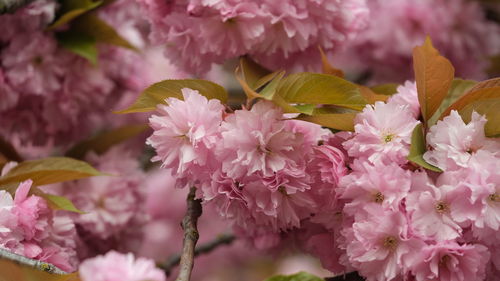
point(223, 239)
point(191, 235)
point(10, 6)
point(36, 264)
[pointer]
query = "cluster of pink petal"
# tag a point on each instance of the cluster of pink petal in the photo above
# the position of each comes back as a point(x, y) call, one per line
point(398, 222)
point(112, 203)
point(52, 97)
point(29, 228)
point(396, 26)
point(265, 173)
point(199, 33)
point(115, 266)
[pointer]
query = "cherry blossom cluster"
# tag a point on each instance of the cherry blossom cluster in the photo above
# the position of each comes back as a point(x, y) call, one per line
point(264, 172)
point(51, 97)
point(31, 229)
point(199, 33)
point(400, 222)
point(396, 26)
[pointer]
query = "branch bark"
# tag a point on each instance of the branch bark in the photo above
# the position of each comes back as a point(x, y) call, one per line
point(10, 6)
point(191, 235)
point(224, 239)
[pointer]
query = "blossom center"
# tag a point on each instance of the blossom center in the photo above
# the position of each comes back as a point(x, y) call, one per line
point(388, 138)
point(494, 197)
point(442, 207)
point(390, 242)
point(379, 197)
point(444, 260)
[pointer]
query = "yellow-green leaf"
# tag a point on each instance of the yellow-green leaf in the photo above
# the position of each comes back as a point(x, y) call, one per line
point(71, 9)
point(158, 92)
point(385, 89)
point(488, 107)
point(314, 88)
point(417, 149)
point(458, 88)
point(60, 203)
point(50, 170)
point(104, 141)
point(14, 267)
point(371, 96)
point(102, 32)
point(300, 276)
point(475, 94)
point(80, 44)
point(433, 74)
point(253, 73)
point(327, 67)
point(338, 121)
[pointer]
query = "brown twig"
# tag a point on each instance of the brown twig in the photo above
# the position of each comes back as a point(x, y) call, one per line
point(10, 6)
point(223, 239)
point(190, 227)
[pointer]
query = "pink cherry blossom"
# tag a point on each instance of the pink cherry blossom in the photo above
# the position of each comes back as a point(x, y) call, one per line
point(407, 96)
point(449, 261)
point(375, 184)
point(454, 143)
point(256, 141)
point(185, 130)
point(382, 133)
point(397, 26)
point(380, 247)
point(115, 266)
point(200, 33)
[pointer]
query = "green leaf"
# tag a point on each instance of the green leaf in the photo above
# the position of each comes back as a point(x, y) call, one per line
point(314, 88)
point(338, 121)
point(60, 203)
point(96, 28)
point(49, 170)
point(385, 89)
point(485, 90)
point(458, 88)
point(158, 92)
point(433, 75)
point(417, 149)
point(488, 107)
point(71, 9)
point(327, 67)
point(80, 44)
point(254, 74)
point(102, 142)
point(300, 276)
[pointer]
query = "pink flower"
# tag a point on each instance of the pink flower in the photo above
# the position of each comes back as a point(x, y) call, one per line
point(379, 246)
point(407, 96)
point(454, 143)
point(185, 130)
point(256, 141)
point(111, 203)
point(377, 184)
point(32, 212)
point(202, 32)
point(449, 261)
point(396, 26)
point(330, 161)
point(115, 266)
point(383, 134)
